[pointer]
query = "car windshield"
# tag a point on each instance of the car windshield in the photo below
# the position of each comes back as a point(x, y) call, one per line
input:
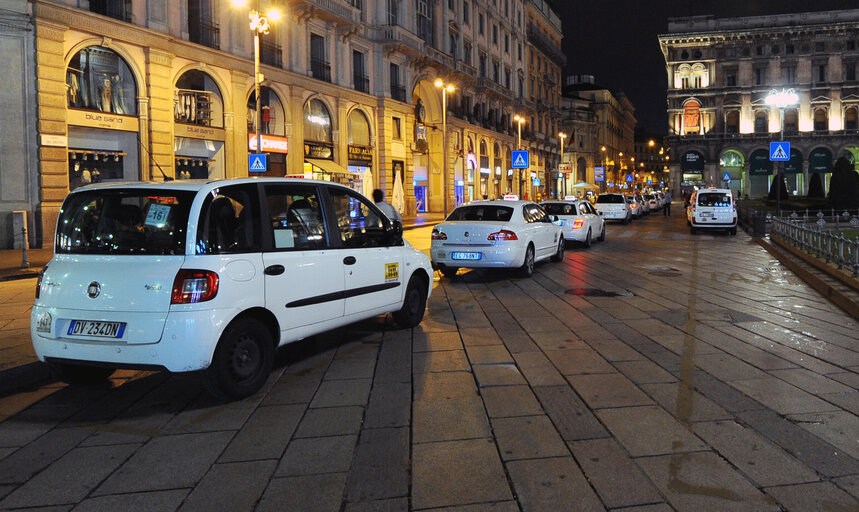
point(481, 212)
point(714, 199)
point(610, 199)
point(124, 221)
point(559, 208)
point(648, 196)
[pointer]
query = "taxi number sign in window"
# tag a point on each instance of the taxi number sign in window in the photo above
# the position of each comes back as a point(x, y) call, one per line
point(157, 215)
point(392, 271)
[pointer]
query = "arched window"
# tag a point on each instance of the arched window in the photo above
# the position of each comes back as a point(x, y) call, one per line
point(682, 76)
point(732, 122)
point(484, 155)
point(851, 119)
point(198, 100)
point(700, 76)
point(99, 79)
point(317, 122)
point(691, 117)
point(791, 121)
point(761, 122)
point(581, 169)
point(272, 112)
point(731, 158)
point(821, 121)
point(359, 129)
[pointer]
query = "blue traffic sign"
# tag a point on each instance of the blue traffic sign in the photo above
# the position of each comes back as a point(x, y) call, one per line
point(629, 178)
point(726, 177)
point(520, 159)
point(257, 162)
point(650, 182)
point(780, 151)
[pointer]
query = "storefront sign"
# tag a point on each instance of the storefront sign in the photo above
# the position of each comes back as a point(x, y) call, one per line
point(270, 143)
point(102, 120)
point(360, 153)
point(317, 150)
point(471, 160)
point(194, 131)
point(759, 163)
point(599, 174)
point(820, 160)
point(55, 140)
point(692, 161)
point(565, 168)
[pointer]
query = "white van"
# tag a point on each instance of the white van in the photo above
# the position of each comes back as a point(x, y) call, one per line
point(712, 208)
point(215, 275)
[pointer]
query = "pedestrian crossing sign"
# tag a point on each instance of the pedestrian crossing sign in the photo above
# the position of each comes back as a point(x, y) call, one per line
point(520, 159)
point(780, 151)
point(257, 162)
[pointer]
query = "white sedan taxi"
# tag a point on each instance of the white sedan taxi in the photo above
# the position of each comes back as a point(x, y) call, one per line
point(579, 221)
point(503, 233)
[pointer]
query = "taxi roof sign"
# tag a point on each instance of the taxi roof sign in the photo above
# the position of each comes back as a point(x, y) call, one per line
point(511, 197)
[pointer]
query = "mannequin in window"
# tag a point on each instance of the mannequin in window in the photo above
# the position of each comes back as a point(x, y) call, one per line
point(106, 95)
point(118, 99)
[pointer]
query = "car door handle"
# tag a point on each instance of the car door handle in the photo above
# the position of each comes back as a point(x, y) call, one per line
point(349, 260)
point(274, 270)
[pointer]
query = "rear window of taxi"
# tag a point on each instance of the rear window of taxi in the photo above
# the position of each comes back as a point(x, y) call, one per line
point(482, 213)
point(714, 199)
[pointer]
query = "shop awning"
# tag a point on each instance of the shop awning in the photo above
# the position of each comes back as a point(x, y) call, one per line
point(820, 160)
point(329, 166)
point(759, 163)
point(794, 166)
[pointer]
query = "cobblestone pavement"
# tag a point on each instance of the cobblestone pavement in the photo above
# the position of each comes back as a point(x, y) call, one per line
point(655, 371)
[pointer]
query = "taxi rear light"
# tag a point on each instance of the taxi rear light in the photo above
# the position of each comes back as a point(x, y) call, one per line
point(503, 235)
point(438, 235)
point(192, 286)
point(39, 281)
point(578, 223)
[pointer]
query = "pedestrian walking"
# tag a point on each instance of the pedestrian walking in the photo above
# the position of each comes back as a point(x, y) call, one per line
point(666, 210)
point(387, 208)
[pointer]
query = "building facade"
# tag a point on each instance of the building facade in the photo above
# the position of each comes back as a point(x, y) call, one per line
point(721, 73)
point(652, 161)
point(601, 128)
point(19, 177)
point(153, 90)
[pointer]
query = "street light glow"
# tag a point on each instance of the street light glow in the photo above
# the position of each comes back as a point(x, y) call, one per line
point(783, 98)
point(273, 14)
point(240, 3)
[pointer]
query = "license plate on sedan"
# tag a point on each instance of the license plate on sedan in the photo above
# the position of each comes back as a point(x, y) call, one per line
point(96, 329)
point(465, 256)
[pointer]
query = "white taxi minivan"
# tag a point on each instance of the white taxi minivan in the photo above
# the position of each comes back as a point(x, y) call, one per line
point(214, 276)
point(712, 208)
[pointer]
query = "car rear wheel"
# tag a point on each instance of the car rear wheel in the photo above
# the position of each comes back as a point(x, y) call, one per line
point(242, 362)
point(449, 272)
point(587, 242)
point(527, 268)
point(559, 255)
point(79, 374)
point(414, 304)
point(601, 238)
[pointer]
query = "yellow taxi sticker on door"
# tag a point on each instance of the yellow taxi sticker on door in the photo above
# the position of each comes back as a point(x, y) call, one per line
point(392, 271)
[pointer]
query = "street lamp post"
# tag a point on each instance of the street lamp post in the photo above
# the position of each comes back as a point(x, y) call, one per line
point(519, 120)
point(563, 136)
point(258, 25)
point(445, 88)
point(602, 163)
point(781, 99)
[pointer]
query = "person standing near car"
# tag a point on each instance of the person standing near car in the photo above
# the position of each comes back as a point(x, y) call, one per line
point(666, 208)
point(387, 208)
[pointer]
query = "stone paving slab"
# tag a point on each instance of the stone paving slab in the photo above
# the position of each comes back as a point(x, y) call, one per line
point(608, 390)
point(527, 437)
point(654, 431)
point(507, 401)
point(813, 497)
point(381, 465)
point(461, 417)
point(311, 493)
point(135, 502)
point(544, 483)
point(702, 481)
point(782, 397)
point(840, 428)
point(472, 474)
point(765, 463)
point(233, 486)
point(615, 476)
point(498, 375)
point(313, 455)
point(569, 414)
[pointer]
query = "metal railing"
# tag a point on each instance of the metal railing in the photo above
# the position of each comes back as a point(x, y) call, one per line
point(320, 70)
point(818, 235)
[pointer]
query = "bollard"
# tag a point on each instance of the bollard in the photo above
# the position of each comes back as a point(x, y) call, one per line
point(24, 261)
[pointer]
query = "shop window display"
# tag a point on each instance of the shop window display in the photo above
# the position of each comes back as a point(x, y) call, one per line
point(98, 79)
point(88, 166)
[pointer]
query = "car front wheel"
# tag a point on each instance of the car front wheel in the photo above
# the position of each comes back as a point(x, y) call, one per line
point(414, 304)
point(242, 362)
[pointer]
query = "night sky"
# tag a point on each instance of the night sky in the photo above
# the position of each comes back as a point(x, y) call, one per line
point(616, 41)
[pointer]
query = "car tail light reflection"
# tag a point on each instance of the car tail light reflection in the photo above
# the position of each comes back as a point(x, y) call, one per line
point(39, 281)
point(438, 235)
point(191, 286)
point(503, 235)
point(578, 223)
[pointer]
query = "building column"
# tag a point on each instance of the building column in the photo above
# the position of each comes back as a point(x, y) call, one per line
point(52, 103)
point(161, 107)
point(237, 137)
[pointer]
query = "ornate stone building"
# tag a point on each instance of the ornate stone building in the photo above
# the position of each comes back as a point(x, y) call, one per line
point(133, 89)
point(720, 73)
point(601, 129)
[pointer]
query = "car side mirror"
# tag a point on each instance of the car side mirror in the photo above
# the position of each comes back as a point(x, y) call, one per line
point(395, 232)
point(553, 218)
point(600, 213)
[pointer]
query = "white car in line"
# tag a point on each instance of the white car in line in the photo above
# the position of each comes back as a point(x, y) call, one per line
point(502, 233)
point(578, 219)
point(213, 276)
point(614, 206)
